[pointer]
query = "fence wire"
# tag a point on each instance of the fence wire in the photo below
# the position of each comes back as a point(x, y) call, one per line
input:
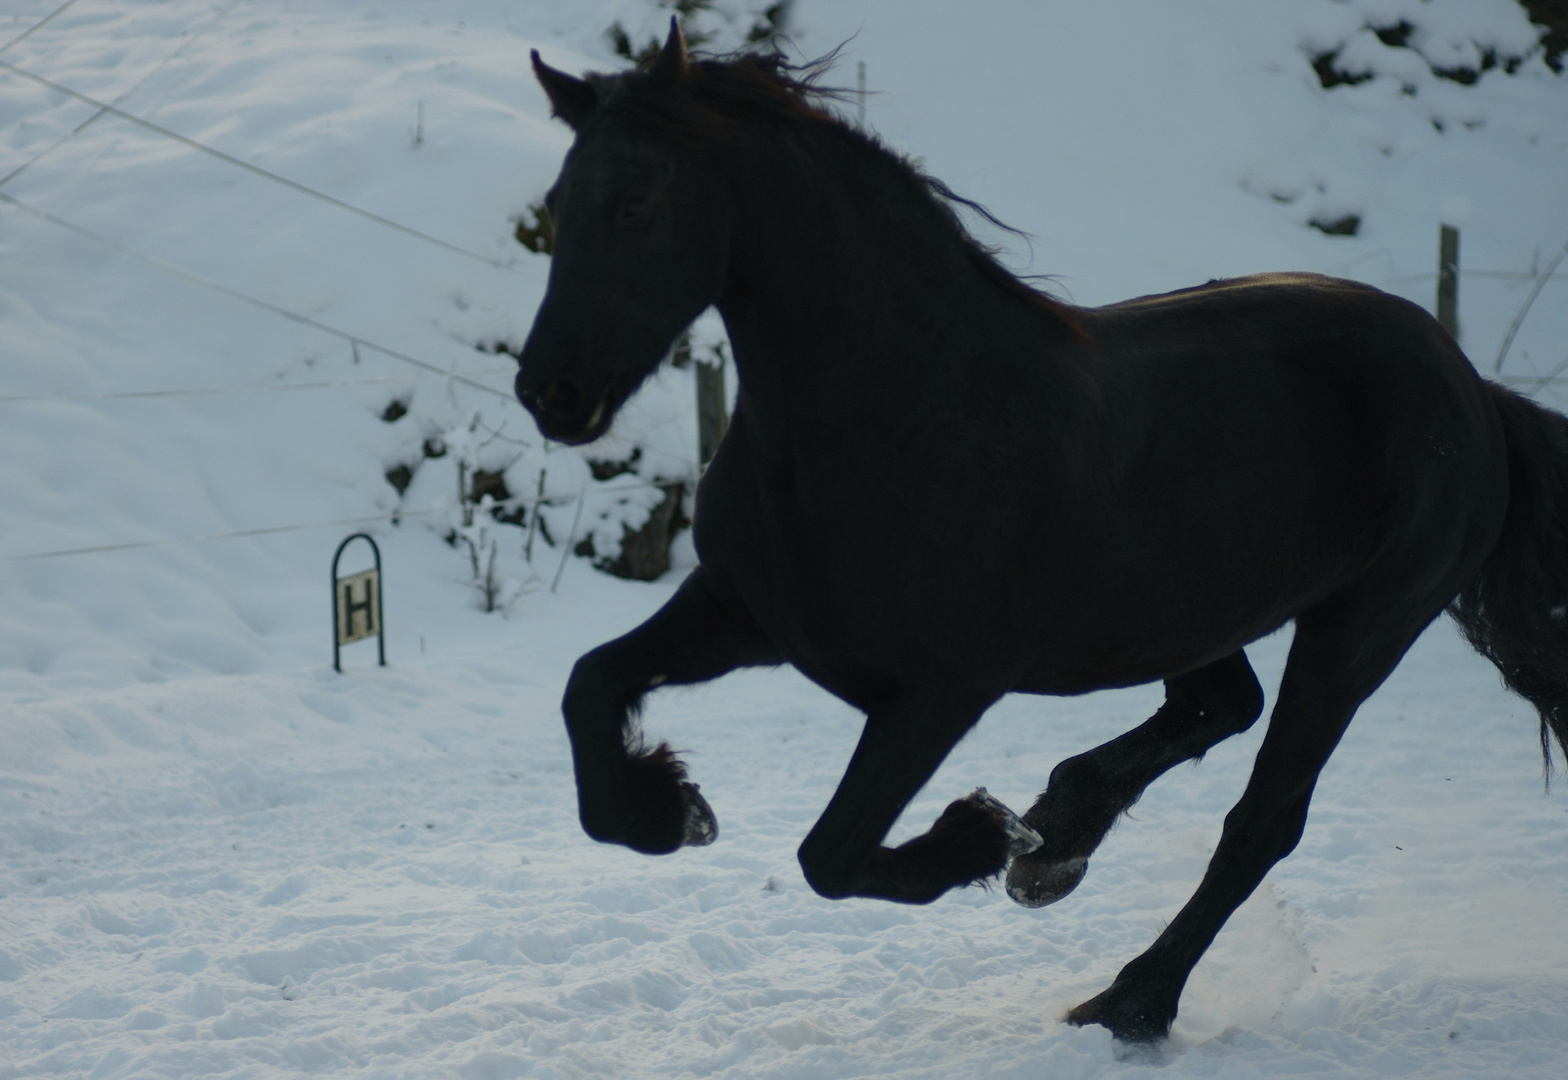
point(85, 124)
point(330, 200)
point(394, 516)
point(37, 26)
point(112, 108)
point(214, 391)
point(264, 305)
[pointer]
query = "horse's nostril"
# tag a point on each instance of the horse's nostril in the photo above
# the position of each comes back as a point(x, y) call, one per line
point(560, 397)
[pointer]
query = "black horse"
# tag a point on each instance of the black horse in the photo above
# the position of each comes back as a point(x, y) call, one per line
point(941, 486)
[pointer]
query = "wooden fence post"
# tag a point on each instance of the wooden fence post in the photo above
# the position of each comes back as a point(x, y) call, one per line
point(1448, 280)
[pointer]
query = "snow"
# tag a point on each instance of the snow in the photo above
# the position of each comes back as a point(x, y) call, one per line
point(218, 857)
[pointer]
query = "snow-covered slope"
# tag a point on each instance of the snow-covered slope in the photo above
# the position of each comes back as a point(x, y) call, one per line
point(219, 858)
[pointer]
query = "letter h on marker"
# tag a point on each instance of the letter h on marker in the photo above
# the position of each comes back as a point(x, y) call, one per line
point(356, 605)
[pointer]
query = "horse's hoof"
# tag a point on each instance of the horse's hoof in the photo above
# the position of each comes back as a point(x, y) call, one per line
point(1034, 883)
point(1021, 839)
point(701, 827)
point(1128, 1020)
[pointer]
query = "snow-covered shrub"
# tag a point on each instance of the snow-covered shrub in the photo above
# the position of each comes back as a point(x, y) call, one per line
point(1408, 40)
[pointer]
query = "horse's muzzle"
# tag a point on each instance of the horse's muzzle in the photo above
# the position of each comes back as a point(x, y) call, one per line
point(563, 412)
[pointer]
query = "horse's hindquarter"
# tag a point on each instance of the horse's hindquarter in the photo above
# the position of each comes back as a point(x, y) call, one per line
point(1268, 439)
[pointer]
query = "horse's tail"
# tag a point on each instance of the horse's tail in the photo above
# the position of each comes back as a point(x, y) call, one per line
point(1515, 612)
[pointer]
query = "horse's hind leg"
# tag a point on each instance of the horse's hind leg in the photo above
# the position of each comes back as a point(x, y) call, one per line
point(1340, 655)
point(628, 793)
point(1088, 792)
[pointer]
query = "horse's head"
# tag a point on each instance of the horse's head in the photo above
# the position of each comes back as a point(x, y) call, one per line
point(641, 246)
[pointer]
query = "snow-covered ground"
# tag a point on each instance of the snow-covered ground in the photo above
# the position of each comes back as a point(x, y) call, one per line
point(218, 857)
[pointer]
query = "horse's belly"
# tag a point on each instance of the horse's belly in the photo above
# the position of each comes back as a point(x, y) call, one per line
point(863, 605)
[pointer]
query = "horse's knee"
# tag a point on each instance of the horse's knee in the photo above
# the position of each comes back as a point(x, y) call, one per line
point(590, 689)
point(579, 699)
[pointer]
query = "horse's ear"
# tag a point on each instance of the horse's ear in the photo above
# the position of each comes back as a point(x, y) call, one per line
point(671, 64)
point(571, 98)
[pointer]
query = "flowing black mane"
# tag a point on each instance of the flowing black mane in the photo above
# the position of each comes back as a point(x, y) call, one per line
point(723, 96)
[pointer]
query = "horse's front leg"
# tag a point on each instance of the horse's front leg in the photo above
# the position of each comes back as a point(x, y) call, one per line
point(899, 750)
point(627, 792)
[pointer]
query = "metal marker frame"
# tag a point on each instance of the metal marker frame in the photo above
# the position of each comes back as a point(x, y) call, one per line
point(381, 628)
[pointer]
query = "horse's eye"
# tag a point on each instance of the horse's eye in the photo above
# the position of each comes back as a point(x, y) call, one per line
point(634, 207)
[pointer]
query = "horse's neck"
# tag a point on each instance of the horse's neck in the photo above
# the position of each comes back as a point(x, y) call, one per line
point(839, 278)
point(860, 318)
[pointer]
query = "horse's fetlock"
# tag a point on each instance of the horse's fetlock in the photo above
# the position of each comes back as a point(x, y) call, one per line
point(1127, 1012)
point(829, 878)
point(654, 793)
point(598, 826)
point(830, 888)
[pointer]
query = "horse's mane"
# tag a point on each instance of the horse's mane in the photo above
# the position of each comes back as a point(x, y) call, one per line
point(722, 96)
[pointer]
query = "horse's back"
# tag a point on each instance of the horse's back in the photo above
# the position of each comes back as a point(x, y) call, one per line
point(1295, 361)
